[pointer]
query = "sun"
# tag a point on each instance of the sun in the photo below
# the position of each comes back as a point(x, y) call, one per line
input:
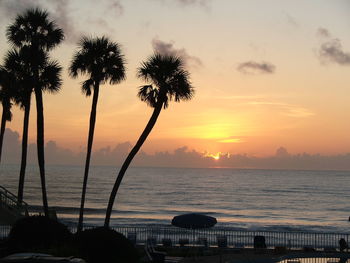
point(216, 156)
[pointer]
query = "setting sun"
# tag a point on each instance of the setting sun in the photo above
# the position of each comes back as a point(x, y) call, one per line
point(214, 156)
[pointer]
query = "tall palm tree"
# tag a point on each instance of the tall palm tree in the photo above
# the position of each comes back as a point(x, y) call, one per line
point(19, 65)
point(5, 99)
point(34, 30)
point(168, 81)
point(102, 61)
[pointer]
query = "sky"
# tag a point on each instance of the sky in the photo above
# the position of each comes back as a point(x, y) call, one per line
point(267, 74)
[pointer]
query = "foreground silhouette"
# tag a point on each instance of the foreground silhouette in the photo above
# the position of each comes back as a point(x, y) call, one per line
point(5, 99)
point(169, 81)
point(102, 61)
point(33, 30)
point(17, 64)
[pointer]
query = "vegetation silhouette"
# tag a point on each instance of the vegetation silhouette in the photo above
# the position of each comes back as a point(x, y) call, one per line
point(33, 30)
point(17, 64)
point(5, 99)
point(169, 81)
point(102, 60)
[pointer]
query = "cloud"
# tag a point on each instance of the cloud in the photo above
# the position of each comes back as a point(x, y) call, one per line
point(167, 48)
point(252, 67)
point(323, 32)
point(231, 140)
point(10, 8)
point(332, 51)
point(180, 157)
point(286, 109)
point(291, 20)
point(184, 3)
point(59, 10)
point(116, 7)
point(64, 14)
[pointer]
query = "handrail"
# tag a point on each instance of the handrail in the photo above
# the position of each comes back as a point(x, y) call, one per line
point(10, 200)
point(10, 195)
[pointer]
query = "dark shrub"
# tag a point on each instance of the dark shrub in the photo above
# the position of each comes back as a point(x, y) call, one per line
point(104, 245)
point(38, 232)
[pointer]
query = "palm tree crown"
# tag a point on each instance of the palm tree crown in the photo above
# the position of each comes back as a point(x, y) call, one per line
point(168, 76)
point(34, 29)
point(19, 63)
point(6, 93)
point(101, 59)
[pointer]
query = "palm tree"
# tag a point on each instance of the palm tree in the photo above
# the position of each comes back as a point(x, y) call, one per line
point(36, 32)
point(18, 65)
point(102, 61)
point(169, 81)
point(5, 99)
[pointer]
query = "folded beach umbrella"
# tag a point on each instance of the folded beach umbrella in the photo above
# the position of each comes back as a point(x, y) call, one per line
point(194, 221)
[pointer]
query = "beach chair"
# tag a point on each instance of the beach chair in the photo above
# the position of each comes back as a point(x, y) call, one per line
point(203, 242)
point(166, 242)
point(222, 241)
point(152, 255)
point(131, 236)
point(183, 242)
point(152, 240)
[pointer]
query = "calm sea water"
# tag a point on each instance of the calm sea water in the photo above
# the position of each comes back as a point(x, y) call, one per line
point(239, 198)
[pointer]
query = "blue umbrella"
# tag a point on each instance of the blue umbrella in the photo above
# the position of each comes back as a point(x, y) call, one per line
point(194, 221)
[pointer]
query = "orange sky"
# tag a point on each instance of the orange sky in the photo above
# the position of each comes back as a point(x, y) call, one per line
point(267, 74)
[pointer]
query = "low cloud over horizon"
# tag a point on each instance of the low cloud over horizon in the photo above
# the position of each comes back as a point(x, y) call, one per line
point(180, 157)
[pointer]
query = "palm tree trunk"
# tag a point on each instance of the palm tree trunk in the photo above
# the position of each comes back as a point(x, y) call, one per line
point(2, 129)
point(88, 154)
point(130, 157)
point(24, 151)
point(40, 146)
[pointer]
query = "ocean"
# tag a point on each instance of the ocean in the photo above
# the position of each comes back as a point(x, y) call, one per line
point(276, 200)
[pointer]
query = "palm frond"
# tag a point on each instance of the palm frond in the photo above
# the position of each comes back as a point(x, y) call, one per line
point(50, 77)
point(169, 77)
point(87, 86)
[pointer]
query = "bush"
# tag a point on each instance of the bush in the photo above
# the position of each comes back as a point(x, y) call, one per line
point(104, 245)
point(38, 232)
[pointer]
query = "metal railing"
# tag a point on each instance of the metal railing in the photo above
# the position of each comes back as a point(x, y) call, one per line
point(10, 201)
point(233, 237)
point(236, 238)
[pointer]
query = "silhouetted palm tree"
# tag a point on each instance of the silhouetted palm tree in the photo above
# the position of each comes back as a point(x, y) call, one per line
point(18, 65)
point(5, 99)
point(168, 81)
point(102, 61)
point(36, 32)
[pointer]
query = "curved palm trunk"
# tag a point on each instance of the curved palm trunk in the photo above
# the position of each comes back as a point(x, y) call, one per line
point(24, 151)
point(88, 154)
point(40, 146)
point(129, 158)
point(2, 129)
